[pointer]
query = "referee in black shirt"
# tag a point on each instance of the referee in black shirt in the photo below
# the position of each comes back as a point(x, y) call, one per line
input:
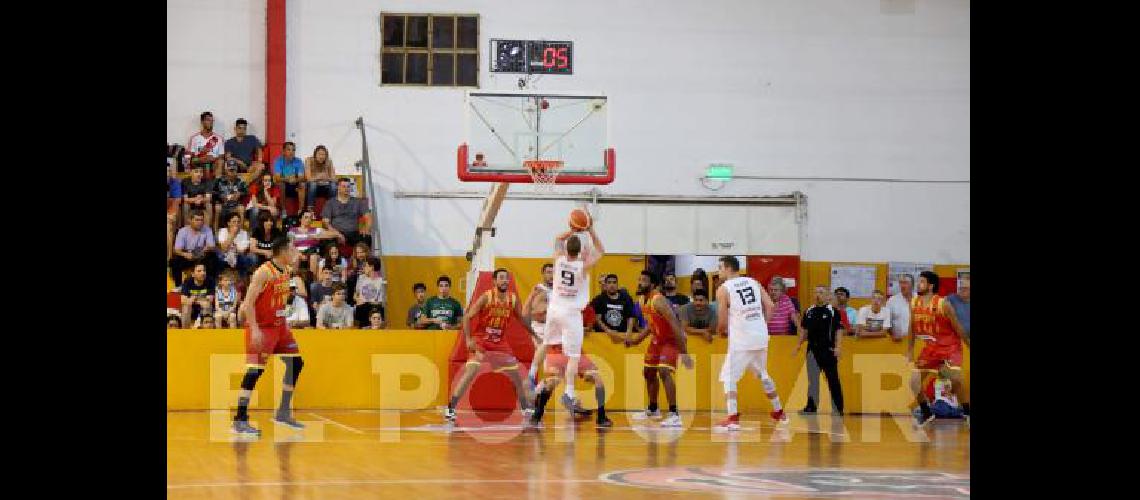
point(823, 329)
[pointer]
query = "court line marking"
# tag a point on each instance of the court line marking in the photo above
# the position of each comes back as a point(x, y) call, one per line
point(347, 482)
point(338, 424)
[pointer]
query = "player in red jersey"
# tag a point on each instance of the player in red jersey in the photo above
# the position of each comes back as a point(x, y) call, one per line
point(932, 319)
point(669, 342)
point(492, 313)
point(267, 333)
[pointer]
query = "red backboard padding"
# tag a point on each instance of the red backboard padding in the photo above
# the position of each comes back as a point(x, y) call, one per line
point(492, 391)
point(763, 267)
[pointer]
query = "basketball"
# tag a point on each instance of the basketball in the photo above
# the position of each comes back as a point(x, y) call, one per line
point(580, 220)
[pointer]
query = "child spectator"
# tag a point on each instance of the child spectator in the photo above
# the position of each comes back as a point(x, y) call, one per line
point(336, 313)
point(206, 322)
point(370, 291)
point(197, 295)
point(226, 300)
point(442, 312)
point(375, 321)
point(320, 292)
point(417, 309)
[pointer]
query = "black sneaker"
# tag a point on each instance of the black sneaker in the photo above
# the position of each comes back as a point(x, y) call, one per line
point(242, 428)
point(287, 421)
point(604, 422)
point(808, 410)
point(925, 416)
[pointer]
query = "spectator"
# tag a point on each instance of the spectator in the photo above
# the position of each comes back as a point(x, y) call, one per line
point(264, 197)
point(669, 290)
point(961, 303)
point(262, 237)
point(333, 261)
point(360, 253)
point(300, 280)
point(335, 313)
point(173, 321)
point(842, 296)
point(417, 309)
point(197, 194)
point(320, 291)
point(874, 320)
point(227, 194)
point(319, 172)
point(700, 281)
point(375, 321)
point(613, 310)
point(226, 300)
point(290, 172)
point(206, 321)
point(233, 246)
point(344, 212)
point(899, 306)
point(173, 197)
point(822, 330)
point(441, 312)
point(192, 246)
point(307, 237)
point(698, 318)
point(785, 316)
point(244, 150)
point(197, 295)
point(206, 149)
point(297, 312)
point(370, 292)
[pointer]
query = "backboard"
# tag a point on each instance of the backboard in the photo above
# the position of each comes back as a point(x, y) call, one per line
point(507, 129)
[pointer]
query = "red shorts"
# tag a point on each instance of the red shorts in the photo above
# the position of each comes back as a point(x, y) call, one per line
point(274, 340)
point(556, 362)
point(934, 357)
point(486, 344)
point(500, 361)
point(663, 355)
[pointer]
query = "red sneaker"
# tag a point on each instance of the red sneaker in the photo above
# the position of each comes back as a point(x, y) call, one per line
point(779, 417)
point(730, 423)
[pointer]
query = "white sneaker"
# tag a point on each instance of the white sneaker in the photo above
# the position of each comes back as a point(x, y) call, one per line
point(527, 412)
point(673, 420)
point(646, 415)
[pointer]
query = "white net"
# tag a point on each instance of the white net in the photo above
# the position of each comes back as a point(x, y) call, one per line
point(544, 173)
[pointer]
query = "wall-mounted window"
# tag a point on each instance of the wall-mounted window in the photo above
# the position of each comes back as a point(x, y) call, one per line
point(435, 50)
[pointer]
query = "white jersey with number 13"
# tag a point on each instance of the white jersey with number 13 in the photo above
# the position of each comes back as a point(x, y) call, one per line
point(747, 328)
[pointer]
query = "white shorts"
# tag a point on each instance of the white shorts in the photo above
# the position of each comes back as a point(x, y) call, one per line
point(539, 329)
point(565, 326)
point(738, 361)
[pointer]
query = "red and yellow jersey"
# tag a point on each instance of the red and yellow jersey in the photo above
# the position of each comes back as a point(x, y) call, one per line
point(658, 324)
point(495, 315)
point(930, 320)
point(269, 306)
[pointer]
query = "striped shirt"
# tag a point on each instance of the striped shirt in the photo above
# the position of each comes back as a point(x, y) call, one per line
point(782, 317)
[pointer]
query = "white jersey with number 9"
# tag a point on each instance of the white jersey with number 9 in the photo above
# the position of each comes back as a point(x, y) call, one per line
point(747, 328)
point(571, 288)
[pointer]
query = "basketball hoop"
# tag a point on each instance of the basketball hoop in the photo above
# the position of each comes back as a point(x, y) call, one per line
point(544, 173)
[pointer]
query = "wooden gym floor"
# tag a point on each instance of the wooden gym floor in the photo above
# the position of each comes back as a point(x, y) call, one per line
point(411, 454)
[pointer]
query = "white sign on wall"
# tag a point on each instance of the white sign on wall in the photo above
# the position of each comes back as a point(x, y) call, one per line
point(859, 280)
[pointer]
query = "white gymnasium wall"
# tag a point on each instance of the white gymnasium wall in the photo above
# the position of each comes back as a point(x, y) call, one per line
point(215, 61)
point(778, 87)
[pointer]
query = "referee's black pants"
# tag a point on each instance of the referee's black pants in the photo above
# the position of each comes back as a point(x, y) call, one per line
point(829, 365)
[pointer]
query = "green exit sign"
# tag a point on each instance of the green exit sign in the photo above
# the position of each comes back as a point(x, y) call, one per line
point(722, 171)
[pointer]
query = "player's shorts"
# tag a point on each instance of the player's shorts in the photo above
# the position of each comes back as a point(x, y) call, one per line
point(500, 361)
point(566, 325)
point(556, 362)
point(274, 340)
point(662, 355)
point(539, 329)
point(736, 362)
point(933, 357)
point(485, 344)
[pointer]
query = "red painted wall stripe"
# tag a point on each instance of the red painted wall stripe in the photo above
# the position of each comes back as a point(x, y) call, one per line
point(274, 78)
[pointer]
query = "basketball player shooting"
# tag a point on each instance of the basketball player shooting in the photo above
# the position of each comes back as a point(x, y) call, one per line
point(492, 311)
point(571, 292)
point(668, 343)
point(267, 333)
point(745, 313)
point(932, 318)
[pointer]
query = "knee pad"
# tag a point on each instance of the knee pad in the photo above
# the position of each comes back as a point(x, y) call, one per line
point(769, 384)
point(293, 365)
point(249, 381)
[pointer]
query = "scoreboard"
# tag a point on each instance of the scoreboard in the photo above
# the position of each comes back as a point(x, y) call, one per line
point(543, 57)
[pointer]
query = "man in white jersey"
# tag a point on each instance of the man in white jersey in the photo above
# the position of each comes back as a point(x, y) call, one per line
point(745, 308)
point(535, 308)
point(571, 293)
